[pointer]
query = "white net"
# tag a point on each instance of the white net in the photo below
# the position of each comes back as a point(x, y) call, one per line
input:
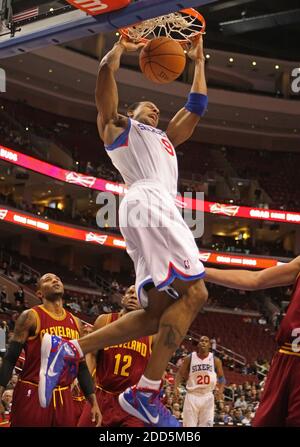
point(177, 25)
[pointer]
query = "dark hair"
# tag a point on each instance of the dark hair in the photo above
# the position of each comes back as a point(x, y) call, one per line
point(133, 106)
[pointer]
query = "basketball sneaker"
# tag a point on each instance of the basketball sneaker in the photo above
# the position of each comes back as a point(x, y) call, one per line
point(145, 404)
point(57, 356)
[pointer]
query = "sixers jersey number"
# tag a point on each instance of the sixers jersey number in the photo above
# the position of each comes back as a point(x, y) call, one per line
point(143, 152)
point(168, 146)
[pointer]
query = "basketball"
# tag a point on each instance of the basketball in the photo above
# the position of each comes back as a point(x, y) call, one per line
point(162, 60)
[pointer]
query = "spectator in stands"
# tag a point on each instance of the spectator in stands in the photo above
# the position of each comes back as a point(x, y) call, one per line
point(239, 390)
point(3, 337)
point(241, 402)
point(220, 418)
point(213, 343)
point(12, 321)
point(107, 308)
point(176, 411)
point(94, 310)
point(90, 170)
point(20, 295)
point(167, 393)
point(74, 306)
point(220, 405)
point(227, 408)
point(238, 416)
point(169, 403)
point(5, 268)
point(18, 306)
point(22, 278)
point(6, 304)
point(247, 418)
point(3, 295)
point(232, 414)
point(253, 395)
point(227, 419)
point(13, 381)
point(7, 397)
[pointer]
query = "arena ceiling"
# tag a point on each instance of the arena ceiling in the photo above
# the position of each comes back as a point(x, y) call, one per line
point(269, 28)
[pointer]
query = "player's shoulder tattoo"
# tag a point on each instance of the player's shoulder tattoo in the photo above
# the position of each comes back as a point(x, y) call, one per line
point(25, 323)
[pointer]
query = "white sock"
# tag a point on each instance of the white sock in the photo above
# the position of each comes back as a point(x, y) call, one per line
point(147, 383)
point(77, 346)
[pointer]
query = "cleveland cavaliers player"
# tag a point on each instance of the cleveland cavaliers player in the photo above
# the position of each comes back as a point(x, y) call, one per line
point(201, 371)
point(116, 368)
point(280, 401)
point(169, 273)
point(50, 317)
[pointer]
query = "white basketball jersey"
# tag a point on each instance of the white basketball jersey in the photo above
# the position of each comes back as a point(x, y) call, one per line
point(202, 376)
point(144, 152)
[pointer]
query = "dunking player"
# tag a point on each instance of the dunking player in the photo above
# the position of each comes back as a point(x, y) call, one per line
point(200, 370)
point(30, 328)
point(168, 270)
point(117, 368)
point(280, 401)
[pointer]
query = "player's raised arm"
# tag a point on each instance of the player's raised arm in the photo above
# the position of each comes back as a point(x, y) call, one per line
point(182, 126)
point(281, 275)
point(106, 93)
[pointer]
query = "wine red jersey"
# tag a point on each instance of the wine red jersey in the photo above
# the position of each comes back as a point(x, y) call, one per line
point(121, 366)
point(291, 322)
point(65, 326)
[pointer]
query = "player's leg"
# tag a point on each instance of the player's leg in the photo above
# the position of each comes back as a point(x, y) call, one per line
point(293, 371)
point(190, 410)
point(143, 401)
point(172, 260)
point(64, 410)
point(131, 326)
point(174, 323)
point(207, 410)
point(26, 410)
point(272, 410)
point(165, 256)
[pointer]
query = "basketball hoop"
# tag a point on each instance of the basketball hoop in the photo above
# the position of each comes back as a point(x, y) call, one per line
point(181, 26)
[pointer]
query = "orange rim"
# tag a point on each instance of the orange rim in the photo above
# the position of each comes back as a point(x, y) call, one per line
point(190, 11)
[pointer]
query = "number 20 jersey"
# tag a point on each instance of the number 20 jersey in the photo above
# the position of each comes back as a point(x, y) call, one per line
point(144, 152)
point(202, 376)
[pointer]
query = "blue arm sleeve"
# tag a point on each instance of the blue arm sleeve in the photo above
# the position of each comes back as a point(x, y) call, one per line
point(197, 103)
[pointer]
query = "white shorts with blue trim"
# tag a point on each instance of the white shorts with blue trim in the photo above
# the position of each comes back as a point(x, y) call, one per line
point(161, 253)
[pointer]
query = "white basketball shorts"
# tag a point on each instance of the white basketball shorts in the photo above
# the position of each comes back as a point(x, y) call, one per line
point(158, 240)
point(198, 410)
